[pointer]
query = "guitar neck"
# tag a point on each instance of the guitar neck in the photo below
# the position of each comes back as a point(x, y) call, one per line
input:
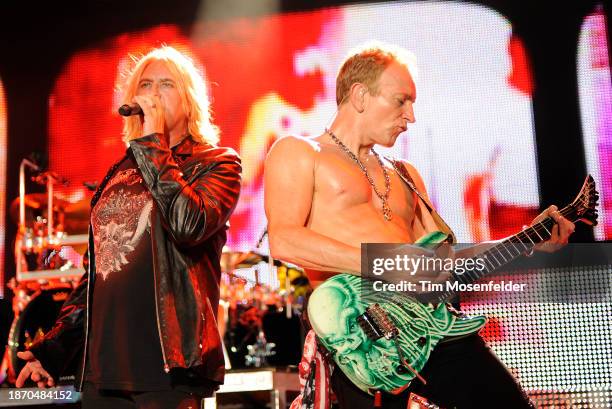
point(509, 249)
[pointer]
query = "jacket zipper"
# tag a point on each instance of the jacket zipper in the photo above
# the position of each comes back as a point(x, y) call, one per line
point(161, 342)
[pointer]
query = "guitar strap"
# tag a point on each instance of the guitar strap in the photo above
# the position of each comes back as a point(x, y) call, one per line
point(401, 170)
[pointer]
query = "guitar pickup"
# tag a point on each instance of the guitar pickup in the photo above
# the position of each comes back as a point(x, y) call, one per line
point(376, 324)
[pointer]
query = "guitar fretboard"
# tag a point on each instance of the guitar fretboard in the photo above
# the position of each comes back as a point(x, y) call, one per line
point(508, 250)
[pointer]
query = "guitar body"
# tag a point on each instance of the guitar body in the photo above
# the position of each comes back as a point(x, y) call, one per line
point(333, 309)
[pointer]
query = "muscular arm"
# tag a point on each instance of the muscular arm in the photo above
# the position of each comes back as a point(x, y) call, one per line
point(289, 187)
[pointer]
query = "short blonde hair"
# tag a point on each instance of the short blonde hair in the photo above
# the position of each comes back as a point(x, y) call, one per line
point(191, 87)
point(366, 63)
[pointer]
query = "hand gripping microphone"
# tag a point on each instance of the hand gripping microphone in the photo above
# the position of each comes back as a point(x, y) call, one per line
point(130, 109)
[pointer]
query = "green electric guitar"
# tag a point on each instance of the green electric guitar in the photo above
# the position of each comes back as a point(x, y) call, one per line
point(381, 341)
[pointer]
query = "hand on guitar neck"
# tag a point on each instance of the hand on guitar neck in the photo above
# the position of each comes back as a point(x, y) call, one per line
point(561, 230)
point(560, 233)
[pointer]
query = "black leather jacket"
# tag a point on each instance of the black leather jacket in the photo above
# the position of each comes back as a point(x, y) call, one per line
point(195, 188)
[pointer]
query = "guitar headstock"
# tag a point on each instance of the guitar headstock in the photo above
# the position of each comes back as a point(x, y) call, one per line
point(585, 204)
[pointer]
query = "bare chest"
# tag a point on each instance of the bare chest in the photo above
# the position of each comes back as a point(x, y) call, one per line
point(341, 184)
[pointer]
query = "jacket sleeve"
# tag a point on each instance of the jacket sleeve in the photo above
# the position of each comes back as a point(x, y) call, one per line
point(64, 343)
point(193, 209)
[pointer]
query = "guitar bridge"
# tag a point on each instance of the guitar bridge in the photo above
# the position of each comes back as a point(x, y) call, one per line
point(376, 324)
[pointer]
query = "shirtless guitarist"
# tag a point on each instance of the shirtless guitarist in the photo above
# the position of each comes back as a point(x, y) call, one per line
point(343, 194)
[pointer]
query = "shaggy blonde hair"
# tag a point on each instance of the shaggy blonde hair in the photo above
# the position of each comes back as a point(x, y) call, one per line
point(366, 63)
point(191, 87)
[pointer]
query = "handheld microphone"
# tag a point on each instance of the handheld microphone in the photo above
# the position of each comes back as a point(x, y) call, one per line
point(130, 109)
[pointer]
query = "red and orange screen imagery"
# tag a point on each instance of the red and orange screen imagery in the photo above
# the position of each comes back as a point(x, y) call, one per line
point(274, 76)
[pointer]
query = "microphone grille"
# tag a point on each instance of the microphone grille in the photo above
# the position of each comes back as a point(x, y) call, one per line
point(125, 110)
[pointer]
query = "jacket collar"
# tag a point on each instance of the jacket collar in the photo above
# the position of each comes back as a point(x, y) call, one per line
point(185, 147)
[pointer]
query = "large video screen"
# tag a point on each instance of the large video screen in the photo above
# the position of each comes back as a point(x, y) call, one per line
point(274, 76)
point(595, 92)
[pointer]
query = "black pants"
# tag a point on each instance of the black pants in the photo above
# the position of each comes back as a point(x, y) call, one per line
point(93, 398)
point(461, 374)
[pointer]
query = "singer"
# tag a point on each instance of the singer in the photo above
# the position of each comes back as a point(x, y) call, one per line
point(141, 324)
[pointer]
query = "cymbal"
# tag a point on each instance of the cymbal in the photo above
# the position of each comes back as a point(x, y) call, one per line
point(36, 202)
point(76, 218)
point(231, 260)
point(78, 210)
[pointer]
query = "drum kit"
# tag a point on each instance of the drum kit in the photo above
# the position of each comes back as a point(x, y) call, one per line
point(259, 311)
point(49, 245)
point(257, 296)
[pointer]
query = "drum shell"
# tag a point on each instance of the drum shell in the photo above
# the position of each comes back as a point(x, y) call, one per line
point(286, 333)
point(36, 319)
